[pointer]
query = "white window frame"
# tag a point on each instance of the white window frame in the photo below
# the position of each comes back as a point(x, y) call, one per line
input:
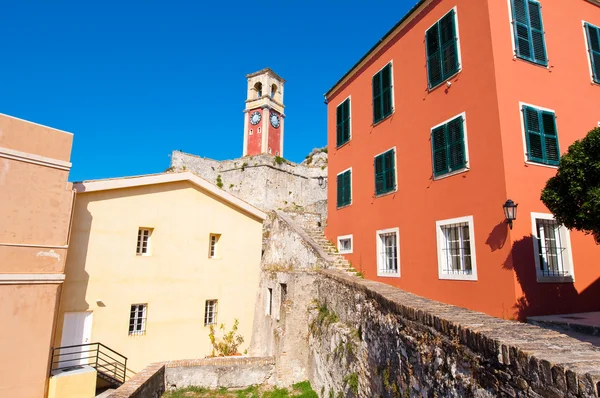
point(395, 172)
point(458, 49)
point(524, 133)
point(441, 240)
point(567, 257)
point(339, 243)
point(134, 321)
point(337, 175)
point(350, 117)
point(587, 47)
point(213, 246)
point(210, 307)
point(390, 62)
point(467, 161)
point(379, 249)
point(139, 244)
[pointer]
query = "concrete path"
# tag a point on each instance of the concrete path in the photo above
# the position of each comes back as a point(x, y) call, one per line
point(584, 326)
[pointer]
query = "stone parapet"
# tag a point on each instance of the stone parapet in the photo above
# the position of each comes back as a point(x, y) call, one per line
point(383, 341)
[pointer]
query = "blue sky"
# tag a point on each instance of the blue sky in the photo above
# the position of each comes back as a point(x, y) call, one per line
point(134, 80)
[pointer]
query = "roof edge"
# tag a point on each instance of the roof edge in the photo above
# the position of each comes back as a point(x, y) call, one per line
point(266, 70)
point(162, 178)
point(369, 53)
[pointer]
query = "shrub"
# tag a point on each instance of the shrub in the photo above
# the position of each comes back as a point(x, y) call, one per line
point(229, 343)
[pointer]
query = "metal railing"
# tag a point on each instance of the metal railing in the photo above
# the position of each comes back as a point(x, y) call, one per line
point(110, 365)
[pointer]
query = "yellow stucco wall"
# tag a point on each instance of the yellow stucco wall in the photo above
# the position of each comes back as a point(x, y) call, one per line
point(80, 383)
point(175, 280)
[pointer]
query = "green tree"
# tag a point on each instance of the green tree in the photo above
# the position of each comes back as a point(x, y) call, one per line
point(573, 195)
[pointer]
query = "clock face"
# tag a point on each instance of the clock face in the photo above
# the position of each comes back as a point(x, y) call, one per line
point(274, 120)
point(255, 117)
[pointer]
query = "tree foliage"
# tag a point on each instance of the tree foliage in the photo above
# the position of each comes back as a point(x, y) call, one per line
point(573, 195)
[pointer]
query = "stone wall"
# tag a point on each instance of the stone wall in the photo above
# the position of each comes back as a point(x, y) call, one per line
point(259, 180)
point(368, 339)
point(148, 383)
point(228, 372)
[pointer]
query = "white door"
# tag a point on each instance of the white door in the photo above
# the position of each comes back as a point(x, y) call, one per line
point(77, 329)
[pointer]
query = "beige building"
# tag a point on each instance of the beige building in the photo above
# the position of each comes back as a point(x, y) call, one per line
point(154, 260)
point(35, 213)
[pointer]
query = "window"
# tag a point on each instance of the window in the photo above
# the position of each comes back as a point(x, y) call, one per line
point(344, 188)
point(528, 31)
point(541, 136)
point(143, 241)
point(442, 50)
point(210, 312)
point(283, 287)
point(385, 172)
point(137, 319)
point(593, 37)
point(269, 301)
point(552, 248)
point(345, 244)
point(273, 90)
point(382, 94)
point(213, 245)
point(258, 88)
point(448, 147)
point(343, 123)
point(388, 250)
point(456, 249)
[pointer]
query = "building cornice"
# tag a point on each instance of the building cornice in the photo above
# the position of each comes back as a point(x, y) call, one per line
point(34, 159)
point(263, 71)
point(28, 279)
point(389, 36)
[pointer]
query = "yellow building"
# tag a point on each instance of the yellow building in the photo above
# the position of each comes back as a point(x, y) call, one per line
point(153, 261)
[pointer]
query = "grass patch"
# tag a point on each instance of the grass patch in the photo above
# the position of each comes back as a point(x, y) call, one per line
point(299, 390)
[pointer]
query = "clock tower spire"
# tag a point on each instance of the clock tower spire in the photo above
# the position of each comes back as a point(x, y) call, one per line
point(263, 116)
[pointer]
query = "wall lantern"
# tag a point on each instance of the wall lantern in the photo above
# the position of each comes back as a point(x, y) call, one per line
point(321, 181)
point(510, 212)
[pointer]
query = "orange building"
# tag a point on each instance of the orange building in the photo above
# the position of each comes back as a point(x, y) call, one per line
point(461, 106)
point(36, 202)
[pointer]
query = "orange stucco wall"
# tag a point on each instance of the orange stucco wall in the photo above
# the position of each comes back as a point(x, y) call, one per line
point(565, 87)
point(35, 208)
point(488, 90)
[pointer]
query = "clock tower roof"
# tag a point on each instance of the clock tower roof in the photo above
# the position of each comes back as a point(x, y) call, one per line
point(265, 71)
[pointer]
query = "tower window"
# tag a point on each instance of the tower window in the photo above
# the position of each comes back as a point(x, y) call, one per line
point(251, 132)
point(259, 130)
point(273, 90)
point(258, 88)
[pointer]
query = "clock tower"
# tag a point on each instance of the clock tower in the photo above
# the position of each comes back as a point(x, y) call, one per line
point(263, 116)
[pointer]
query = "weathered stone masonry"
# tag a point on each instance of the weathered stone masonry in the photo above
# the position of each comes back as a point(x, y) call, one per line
point(368, 339)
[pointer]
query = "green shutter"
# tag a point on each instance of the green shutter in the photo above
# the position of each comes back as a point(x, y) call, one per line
point(542, 136)
point(434, 56)
point(529, 31)
point(456, 144)
point(339, 125)
point(533, 129)
point(347, 188)
point(343, 123)
point(551, 149)
point(537, 33)
point(593, 34)
point(389, 173)
point(344, 190)
point(440, 150)
point(442, 50)
point(377, 116)
point(340, 189)
point(379, 180)
point(382, 93)
point(448, 147)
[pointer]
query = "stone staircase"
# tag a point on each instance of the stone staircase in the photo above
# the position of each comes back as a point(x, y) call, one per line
point(311, 224)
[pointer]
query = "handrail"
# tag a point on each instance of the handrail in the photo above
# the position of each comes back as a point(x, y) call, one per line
point(114, 368)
